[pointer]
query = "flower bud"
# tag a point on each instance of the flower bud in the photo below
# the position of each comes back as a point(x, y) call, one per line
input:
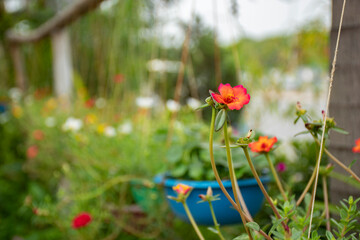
point(209, 191)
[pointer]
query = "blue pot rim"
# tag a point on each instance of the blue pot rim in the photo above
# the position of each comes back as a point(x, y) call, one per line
point(170, 182)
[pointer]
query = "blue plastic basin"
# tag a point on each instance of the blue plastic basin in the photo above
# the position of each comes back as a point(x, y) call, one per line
point(224, 211)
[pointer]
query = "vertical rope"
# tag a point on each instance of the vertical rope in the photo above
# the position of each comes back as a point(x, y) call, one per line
point(325, 114)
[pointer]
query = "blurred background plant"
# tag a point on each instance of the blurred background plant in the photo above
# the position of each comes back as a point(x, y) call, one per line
point(56, 162)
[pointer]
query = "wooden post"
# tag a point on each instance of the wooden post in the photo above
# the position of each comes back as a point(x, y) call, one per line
point(345, 100)
point(62, 64)
point(19, 70)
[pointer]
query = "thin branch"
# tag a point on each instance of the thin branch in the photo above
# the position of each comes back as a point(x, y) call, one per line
point(60, 20)
point(325, 114)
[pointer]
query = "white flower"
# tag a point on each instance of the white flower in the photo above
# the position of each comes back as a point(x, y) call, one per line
point(110, 131)
point(15, 94)
point(193, 103)
point(172, 105)
point(72, 124)
point(125, 128)
point(50, 122)
point(100, 103)
point(4, 117)
point(145, 102)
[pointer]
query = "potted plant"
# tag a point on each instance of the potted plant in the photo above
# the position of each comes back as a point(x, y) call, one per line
point(188, 162)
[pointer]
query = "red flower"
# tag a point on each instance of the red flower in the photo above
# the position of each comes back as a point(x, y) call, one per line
point(356, 149)
point(81, 220)
point(38, 135)
point(119, 78)
point(182, 189)
point(90, 103)
point(263, 145)
point(32, 152)
point(35, 211)
point(234, 97)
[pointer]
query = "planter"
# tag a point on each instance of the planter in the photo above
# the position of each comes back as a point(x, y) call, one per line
point(223, 209)
point(3, 107)
point(146, 194)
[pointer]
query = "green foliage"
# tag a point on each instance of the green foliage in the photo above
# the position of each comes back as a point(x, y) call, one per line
point(348, 225)
point(188, 157)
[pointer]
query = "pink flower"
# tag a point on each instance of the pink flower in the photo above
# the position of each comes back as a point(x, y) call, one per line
point(234, 97)
point(182, 189)
point(281, 167)
point(81, 220)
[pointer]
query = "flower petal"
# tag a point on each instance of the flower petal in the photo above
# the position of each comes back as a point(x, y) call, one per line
point(235, 105)
point(239, 90)
point(218, 98)
point(226, 90)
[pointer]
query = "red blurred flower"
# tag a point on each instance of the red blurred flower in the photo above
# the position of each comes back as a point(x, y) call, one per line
point(81, 220)
point(356, 149)
point(40, 93)
point(281, 167)
point(90, 103)
point(38, 135)
point(32, 152)
point(263, 145)
point(234, 97)
point(182, 189)
point(119, 78)
point(35, 211)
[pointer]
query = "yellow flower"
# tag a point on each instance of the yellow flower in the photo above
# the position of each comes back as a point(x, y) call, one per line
point(16, 111)
point(90, 118)
point(101, 128)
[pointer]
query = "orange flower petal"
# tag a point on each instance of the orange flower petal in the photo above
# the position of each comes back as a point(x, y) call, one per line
point(235, 105)
point(226, 90)
point(263, 144)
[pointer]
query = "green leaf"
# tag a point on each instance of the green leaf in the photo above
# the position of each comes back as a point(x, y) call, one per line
point(253, 226)
point(329, 235)
point(213, 230)
point(220, 119)
point(352, 163)
point(300, 133)
point(296, 234)
point(202, 106)
point(296, 119)
point(340, 130)
point(179, 171)
point(196, 170)
point(242, 237)
point(174, 154)
point(304, 118)
point(343, 214)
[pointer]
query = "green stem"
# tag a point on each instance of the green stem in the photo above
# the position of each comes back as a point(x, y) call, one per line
point(276, 176)
point(267, 197)
point(311, 180)
point(218, 179)
point(193, 223)
point(232, 176)
point(216, 224)
point(326, 203)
